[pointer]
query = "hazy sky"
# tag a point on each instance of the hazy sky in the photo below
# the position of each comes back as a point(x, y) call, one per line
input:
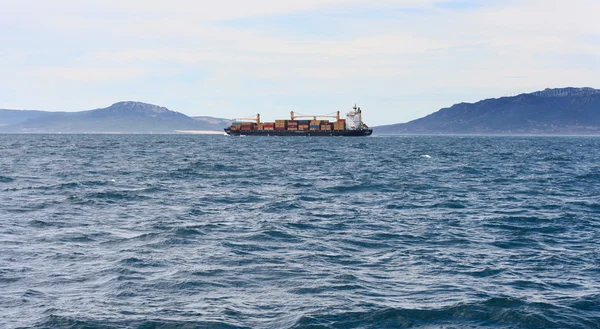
point(399, 60)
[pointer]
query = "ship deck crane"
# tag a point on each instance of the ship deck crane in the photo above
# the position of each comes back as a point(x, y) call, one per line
point(294, 116)
point(256, 118)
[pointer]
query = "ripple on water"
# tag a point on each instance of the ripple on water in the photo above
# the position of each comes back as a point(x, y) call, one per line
point(159, 231)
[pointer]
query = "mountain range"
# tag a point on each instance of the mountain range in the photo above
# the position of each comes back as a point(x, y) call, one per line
point(122, 117)
point(563, 111)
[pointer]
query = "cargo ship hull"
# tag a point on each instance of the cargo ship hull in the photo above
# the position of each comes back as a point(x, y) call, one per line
point(355, 133)
point(352, 125)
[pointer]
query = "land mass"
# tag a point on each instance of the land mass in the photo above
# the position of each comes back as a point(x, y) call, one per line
point(122, 117)
point(564, 111)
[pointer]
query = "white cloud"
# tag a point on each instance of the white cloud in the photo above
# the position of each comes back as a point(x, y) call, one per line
point(85, 74)
point(403, 65)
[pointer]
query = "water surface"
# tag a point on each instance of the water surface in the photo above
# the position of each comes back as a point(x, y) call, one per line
point(168, 231)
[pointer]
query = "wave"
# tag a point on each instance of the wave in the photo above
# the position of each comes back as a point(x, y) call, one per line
point(114, 196)
point(6, 179)
point(498, 312)
point(66, 322)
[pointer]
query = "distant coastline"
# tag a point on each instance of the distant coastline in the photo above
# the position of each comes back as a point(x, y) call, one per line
point(176, 132)
point(566, 111)
point(551, 112)
point(200, 132)
point(126, 117)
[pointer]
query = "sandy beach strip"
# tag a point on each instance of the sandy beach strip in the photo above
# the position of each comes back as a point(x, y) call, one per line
point(201, 132)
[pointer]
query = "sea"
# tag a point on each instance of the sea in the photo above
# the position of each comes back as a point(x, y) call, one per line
point(196, 231)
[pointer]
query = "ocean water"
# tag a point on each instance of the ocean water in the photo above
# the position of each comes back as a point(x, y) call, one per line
point(181, 231)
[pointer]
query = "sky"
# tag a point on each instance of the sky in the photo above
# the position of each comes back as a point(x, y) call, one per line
point(398, 60)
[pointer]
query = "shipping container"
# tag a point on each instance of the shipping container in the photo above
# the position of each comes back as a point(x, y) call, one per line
point(296, 127)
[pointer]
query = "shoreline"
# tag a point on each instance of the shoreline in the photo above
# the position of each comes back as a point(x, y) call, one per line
point(200, 132)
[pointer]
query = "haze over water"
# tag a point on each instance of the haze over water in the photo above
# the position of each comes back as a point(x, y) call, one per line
point(157, 231)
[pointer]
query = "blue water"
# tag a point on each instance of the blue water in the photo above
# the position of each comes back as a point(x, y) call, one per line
point(168, 231)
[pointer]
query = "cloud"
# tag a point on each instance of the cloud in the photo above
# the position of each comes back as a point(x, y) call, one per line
point(85, 74)
point(401, 59)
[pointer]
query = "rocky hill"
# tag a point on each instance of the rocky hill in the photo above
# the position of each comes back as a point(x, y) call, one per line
point(564, 111)
point(122, 117)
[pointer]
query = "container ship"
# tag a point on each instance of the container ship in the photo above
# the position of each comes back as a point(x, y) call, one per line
point(352, 125)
